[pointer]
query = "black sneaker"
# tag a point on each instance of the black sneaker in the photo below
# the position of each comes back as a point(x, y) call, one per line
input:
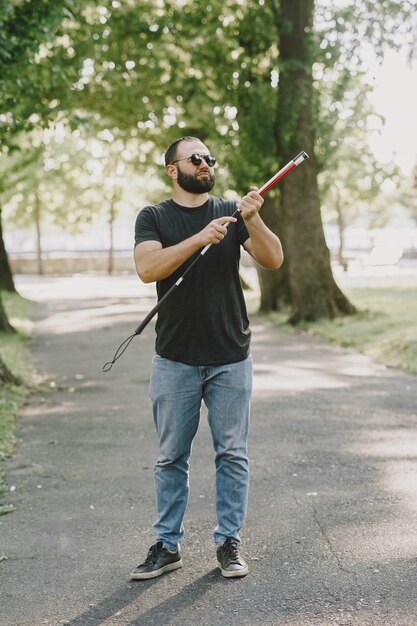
point(231, 564)
point(158, 561)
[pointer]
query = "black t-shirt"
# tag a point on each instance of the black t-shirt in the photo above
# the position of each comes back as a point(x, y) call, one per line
point(204, 321)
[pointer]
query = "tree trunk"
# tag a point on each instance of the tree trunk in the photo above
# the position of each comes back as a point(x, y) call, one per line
point(314, 292)
point(38, 234)
point(5, 326)
point(6, 377)
point(6, 276)
point(273, 285)
point(341, 232)
point(110, 263)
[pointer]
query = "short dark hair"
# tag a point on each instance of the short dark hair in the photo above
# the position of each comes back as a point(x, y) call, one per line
point(171, 153)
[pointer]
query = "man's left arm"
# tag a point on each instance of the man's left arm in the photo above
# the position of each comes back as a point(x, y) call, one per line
point(262, 245)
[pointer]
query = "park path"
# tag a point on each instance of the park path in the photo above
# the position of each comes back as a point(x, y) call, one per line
point(331, 533)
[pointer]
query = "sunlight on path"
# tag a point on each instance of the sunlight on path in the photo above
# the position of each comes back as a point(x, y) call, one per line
point(87, 286)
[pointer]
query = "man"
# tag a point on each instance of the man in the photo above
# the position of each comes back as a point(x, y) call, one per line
point(202, 346)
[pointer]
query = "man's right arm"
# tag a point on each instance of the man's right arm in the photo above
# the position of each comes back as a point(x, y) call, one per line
point(153, 262)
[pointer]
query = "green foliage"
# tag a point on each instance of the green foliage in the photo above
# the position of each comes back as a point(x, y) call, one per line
point(27, 82)
point(13, 347)
point(131, 70)
point(155, 74)
point(407, 193)
point(12, 398)
point(68, 179)
point(38, 178)
point(159, 70)
point(345, 31)
point(13, 352)
point(356, 184)
point(148, 72)
point(353, 183)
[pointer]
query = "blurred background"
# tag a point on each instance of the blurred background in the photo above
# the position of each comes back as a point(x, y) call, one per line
point(92, 92)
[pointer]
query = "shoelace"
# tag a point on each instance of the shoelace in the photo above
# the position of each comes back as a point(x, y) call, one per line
point(152, 555)
point(231, 551)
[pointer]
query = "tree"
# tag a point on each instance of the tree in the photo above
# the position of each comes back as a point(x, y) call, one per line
point(124, 60)
point(6, 276)
point(357, 186)
point(24, 26)
point(314, 292)
point(26, 88)
point(407, 193)
point(6, 376)
point(15, 175)
point(27, 91)
point(69, 180)
point(25, 177)
point(227, 90)
point(306, 36)
point(246, 81)
point(5, 326)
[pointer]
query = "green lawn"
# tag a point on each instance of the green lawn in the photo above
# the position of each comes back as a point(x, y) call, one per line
point(13, 350)
point(385, 327)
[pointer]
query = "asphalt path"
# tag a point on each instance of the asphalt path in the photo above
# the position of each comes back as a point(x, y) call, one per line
point(331, 532)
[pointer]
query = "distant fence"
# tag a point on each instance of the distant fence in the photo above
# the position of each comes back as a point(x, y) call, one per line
point(59, 263)
point(73, 263)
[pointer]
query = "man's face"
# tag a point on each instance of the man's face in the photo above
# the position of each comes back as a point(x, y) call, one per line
point(194, 178)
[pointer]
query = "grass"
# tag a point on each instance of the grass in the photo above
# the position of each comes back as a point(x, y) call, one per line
point(13, 350)
point(385, 327)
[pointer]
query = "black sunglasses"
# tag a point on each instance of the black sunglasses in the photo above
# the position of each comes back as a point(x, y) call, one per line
point(197, 159)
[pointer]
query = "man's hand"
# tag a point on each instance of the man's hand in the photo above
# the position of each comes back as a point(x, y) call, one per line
point(250, 204)
point(216, 231)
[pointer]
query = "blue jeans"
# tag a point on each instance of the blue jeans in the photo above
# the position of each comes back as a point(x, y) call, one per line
point(177, 391)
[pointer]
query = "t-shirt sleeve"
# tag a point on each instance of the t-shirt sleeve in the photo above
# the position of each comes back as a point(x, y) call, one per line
point(146, 228)
point(241, 230)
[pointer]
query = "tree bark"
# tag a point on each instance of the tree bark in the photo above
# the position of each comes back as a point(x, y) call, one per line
point(274, 286)
point(341, 227)
point(314, 292)
point(110, 260)
point(6, 276)
point(38, 234)
point(6, 377)
point(5, 326)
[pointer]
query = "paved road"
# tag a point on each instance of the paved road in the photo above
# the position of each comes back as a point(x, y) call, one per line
point(331, 534)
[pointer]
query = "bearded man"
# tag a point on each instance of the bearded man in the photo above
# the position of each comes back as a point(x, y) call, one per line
point(202, 349)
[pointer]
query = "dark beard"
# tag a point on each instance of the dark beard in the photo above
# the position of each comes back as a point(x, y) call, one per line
point(192, 184)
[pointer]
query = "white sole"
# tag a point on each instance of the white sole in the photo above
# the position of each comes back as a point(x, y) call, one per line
point(147, 575)
point(234, 573)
